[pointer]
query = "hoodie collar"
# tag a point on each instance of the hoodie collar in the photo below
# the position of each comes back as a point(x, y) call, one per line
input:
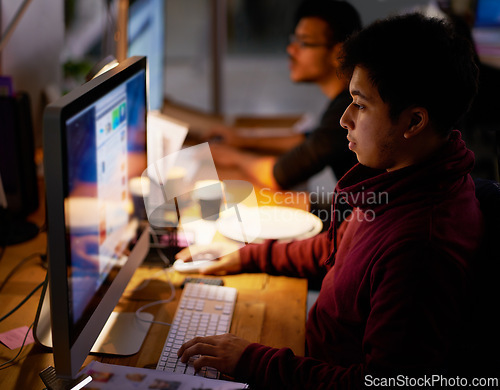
point(368, 188)
point(379, 190)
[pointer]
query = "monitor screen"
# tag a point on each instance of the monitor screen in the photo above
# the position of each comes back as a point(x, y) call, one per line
point(145, 30)
point(487, 13)
point(94, 145)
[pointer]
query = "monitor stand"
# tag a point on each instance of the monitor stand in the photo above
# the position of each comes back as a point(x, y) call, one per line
point(123, 333)
point(53, 382)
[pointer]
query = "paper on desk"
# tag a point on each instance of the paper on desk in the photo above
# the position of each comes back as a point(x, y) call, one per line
point(14, 338)
point(110, 376)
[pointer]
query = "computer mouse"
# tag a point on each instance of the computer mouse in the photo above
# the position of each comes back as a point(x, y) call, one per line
point(199, 262)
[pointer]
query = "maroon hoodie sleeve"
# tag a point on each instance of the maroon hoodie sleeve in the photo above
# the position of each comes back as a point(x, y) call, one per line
point(409, 335)
point(304, 258)
point(271, 368)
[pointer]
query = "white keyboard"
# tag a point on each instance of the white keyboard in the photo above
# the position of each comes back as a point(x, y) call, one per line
point(203, 310)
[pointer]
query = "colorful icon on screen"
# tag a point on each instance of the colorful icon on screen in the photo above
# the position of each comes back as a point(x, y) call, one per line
point(123, 112)
point(115, 116)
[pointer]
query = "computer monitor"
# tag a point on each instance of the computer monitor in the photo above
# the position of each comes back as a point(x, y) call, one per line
point(487, 13)
point(94, 144)
point(17, 170)
point(166, 136)
point(146, 37)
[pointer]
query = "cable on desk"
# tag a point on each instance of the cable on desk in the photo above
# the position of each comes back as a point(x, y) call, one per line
point(11, 361)
point(163, 301)
point(24, 300)
point(13, 270)
point(43, 228)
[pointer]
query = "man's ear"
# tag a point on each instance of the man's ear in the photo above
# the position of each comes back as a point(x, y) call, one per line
point(335, 53)
point(418, 121)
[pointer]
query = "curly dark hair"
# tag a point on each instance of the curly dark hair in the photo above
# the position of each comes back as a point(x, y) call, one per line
point(342, 18)
point(415, 60)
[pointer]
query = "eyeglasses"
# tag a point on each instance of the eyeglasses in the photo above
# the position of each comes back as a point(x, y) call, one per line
point(295, 40)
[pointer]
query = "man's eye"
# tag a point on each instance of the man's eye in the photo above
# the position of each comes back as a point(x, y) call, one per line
point(358, 106)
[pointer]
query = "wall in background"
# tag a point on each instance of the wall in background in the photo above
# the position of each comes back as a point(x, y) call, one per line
point(32, 55)
point(255, 66)
point(375, 9)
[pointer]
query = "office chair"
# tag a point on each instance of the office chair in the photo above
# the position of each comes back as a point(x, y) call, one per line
point(486, 297)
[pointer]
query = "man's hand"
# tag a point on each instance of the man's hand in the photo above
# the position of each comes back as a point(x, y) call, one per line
point(227, 156)
point(228, 254)
point(221, 352)
point(224, 135)
point(257, 168)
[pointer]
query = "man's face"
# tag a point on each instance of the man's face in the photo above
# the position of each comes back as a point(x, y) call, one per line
point(373, 136)
point(310, 54)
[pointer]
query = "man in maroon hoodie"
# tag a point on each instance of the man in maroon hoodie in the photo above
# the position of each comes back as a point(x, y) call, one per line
point(396, 277)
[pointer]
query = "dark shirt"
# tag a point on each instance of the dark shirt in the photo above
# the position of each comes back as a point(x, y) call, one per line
point(326, 145)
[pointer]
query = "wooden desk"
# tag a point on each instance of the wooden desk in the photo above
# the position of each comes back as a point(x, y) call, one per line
point(270, 310)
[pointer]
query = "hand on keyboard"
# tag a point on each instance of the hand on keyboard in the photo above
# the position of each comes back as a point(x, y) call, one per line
point(203, 311)
point(229, 262)
point(221, 352)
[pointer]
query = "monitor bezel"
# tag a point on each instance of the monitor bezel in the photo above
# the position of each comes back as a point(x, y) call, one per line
point(68, 356)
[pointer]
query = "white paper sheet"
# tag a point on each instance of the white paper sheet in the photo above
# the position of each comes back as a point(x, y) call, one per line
point(110, 376)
